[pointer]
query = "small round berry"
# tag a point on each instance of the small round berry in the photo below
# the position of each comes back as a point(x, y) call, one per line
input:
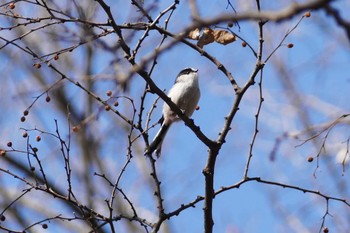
point(197, 108)
point(25, 134)
point(116, 103)
point(230, 24)
point(2, 218)
point(37, 65)
point(107, 108)
point(2, 152)
point(45, 226)
point(307, 14)
point(32, 168)
point(56, 57)
point(290, 45)
point(109, 93)
point(23, 118)
point(244, 44)
point(75, 129)
point(325, 230)
point(9, 144)
point(12, 6)
point(35, 149)
point(48, 99)
point(26, 112)
point(38, 138)
point(310, 159)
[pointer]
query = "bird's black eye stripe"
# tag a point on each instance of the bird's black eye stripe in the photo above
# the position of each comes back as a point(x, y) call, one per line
point(185, 71)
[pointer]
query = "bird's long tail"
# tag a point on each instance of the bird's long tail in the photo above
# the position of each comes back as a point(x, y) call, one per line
point(156, 144)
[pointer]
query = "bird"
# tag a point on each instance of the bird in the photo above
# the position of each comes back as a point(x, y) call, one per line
point(185, 93)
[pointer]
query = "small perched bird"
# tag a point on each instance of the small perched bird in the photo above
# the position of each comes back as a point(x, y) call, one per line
point(185, 94)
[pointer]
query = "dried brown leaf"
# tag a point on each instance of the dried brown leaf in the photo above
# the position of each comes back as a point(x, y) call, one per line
point(223, 37)
point(207, 37)
point(194, 34)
